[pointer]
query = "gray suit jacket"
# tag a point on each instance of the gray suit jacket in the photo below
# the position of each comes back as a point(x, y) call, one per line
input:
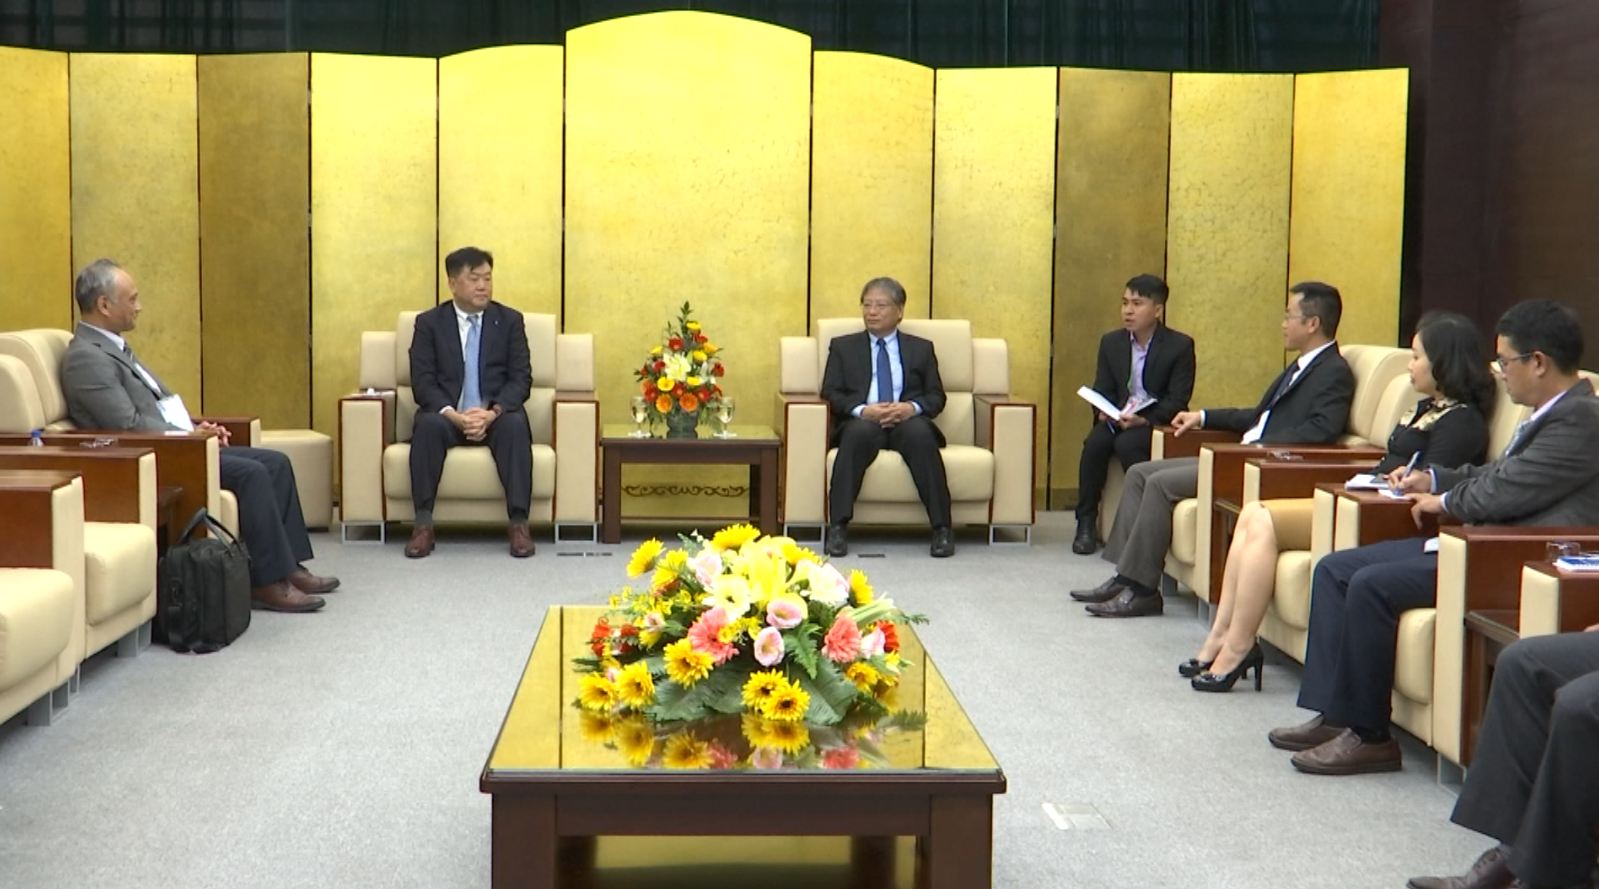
point(1548, 477)
point(104, 391)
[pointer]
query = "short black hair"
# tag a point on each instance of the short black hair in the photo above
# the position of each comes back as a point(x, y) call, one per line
point(466, 258)
point(889, 286)
point(1150, 287)
point(1319, 300)
point(1454, 347)
point(1543, 325)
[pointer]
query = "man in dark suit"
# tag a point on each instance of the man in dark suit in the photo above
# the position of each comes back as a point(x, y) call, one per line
point(471, 375)
point(1534, 782)
point(1546, 476)
point(1144, 361)
point(1308, 403)
point(106, 387)
point(884, 390)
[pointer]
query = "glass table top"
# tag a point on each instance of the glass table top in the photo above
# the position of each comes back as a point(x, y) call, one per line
point(707, 432)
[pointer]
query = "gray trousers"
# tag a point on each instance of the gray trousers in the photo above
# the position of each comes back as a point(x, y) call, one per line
point(1142, 534)
point(1534, 781)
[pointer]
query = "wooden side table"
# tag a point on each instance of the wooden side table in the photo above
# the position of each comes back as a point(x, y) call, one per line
point(752, 446)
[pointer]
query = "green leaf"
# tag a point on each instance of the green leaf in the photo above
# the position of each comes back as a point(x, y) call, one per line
point(795, 642)
point(673, 703)
point(723, 690)
point(831, 694)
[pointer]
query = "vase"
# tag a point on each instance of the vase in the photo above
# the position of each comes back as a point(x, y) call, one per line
point(682, 424)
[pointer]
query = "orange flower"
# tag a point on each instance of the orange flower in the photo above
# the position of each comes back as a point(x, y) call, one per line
point(689, 402)
point(648, 387)
point(663, 403)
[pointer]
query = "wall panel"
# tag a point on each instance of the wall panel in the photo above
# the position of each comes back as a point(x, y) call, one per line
point(993, 217)
point(255, 254)
point(1227, 228)
point(500, 167)
point(35, 190)
point(871, 180)
point(135, 197)
point(1110, 212)
point(1349, 194)
point(374, 173)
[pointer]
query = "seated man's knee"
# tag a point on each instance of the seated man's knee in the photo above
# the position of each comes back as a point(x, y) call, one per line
point(431, 423)
point(1576, 703)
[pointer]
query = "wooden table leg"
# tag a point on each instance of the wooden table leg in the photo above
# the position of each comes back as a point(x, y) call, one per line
point(958, 850)
point(871, 862)
point(768, 484)
point(611, 502)
point(523, 843)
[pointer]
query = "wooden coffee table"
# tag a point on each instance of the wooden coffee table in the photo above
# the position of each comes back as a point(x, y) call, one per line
point(752, 446)
point(556, 788)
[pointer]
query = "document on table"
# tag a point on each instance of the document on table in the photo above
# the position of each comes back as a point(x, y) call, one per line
point(1365, 481)
point(1391, 494)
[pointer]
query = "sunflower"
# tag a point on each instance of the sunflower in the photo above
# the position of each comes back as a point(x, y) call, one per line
point(643, 557)
point(684, 751)
point(789, 737)
point(793, 553)
point(860, 591)
point(663, 578)
point(635, 739)
point(596, 693)
point(734, 536)
point(684, 665)
point(634, 686)
point(596, 727)
point(864, 675)
point(761, 686)
point(787, 704)
point(665, 384)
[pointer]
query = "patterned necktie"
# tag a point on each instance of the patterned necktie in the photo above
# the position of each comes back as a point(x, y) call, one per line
point(144, 372)
point(469, 389)
point(885, 373)
point(1283, 383)
point(1515, 438)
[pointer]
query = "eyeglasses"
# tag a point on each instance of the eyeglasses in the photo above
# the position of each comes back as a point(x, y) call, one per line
point(1287, 317)
point(876, 304)
point(1499, 363)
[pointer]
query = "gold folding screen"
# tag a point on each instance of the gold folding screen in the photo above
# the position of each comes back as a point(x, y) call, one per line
point(35, 191)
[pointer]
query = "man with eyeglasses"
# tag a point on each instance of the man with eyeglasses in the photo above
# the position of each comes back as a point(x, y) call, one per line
point(1545, 476)
point(884, 390)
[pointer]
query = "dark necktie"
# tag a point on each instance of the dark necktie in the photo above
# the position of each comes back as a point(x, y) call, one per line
point(144, 373)
point(885, 373)
point(1283, 383)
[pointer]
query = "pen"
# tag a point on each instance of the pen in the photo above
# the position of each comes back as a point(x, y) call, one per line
point(1411, 466)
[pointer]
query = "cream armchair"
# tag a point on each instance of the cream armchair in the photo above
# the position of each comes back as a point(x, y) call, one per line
point(988, 455)
point(41, 576)
point(375, 433)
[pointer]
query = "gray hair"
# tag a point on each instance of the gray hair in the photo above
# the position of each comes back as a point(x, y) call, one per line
point(98, 278)
point(889, 287)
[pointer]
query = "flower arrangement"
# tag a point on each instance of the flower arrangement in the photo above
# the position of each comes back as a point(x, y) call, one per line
point(680, 374)
point(756, 629)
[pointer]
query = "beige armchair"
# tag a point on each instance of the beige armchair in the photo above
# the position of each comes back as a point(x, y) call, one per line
point(375, 432)
point(988, 457)
point(41, 604)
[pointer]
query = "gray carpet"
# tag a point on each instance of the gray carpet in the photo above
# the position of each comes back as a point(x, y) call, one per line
point(343, 748)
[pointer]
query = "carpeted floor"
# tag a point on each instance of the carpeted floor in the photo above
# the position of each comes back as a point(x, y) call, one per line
point(343, 748)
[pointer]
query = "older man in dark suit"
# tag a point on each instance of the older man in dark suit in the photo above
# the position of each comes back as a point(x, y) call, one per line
point(106, 387)
point(471, 374)
point(1308, 403)
point(1546, 476)
point(884, 390)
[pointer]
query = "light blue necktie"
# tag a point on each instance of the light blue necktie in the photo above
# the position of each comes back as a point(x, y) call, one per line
point(469, 395)
point(885, 373)
point(1515, 438)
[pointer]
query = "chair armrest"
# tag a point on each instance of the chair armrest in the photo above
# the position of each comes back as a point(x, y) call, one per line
point(1227, 462)
point(1274, 479)
point(1555, 601)
point(118, 483)
point(187, 461)
point(1365, 517)
point(27, 520)
point(366, 428)
point(577, 458)
point(807, 427)
point(244, 432)
point(1009, 428)
point(1165, 445)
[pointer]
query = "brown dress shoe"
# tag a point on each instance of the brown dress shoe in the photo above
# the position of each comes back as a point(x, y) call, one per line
point(1128, 604)
point(421, 542)
point(282, 596)
point(521, 540)
point(1304, 736)
point(1105, 592)
point(306, 582)
point(1347, 754)
point(1492, 871)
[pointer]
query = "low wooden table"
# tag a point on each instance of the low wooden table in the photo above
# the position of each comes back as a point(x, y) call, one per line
point(754, 446)
point(556, 788)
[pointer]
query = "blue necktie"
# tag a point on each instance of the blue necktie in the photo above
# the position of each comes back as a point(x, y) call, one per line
point(1515, 439)
point(885, 373)
point(469, 395)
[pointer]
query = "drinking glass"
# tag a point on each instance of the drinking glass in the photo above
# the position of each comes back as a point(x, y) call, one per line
point(641, 410)
point(724, 413)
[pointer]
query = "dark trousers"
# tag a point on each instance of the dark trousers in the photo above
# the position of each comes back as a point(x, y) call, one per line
point(1534, 782)
point(271, 523)
point(1356, 598)
point(508, 440)
point(916, 440)
point(1130, 446)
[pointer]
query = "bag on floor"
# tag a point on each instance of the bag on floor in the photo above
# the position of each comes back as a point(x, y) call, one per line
point(204, 592)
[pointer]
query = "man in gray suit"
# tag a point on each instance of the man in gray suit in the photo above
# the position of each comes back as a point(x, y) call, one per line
point(107, 388)
point(1546, 476)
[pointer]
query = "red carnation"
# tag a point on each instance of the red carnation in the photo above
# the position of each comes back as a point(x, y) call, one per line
point(717, 370)
point(676, 343)
point(660, 366)
point(890, 635)
point(700, 337)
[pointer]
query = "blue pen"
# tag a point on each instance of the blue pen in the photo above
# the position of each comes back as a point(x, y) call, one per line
point(1411, 466)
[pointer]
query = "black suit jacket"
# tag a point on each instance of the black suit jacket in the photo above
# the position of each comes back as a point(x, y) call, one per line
point(1168, 371)
point(438, 371)
point(847, 379)
point(1315, 410)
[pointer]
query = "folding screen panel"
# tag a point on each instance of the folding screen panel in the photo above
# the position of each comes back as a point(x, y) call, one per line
point(135, 197)
point(871, 180)
point(500, 168)
point(1110, 219)
point(374, 236)
point(1227, 227)
point(994, 217)
point(255, 254)
point(1349, 194)
point(687, 165)
point(35, 191)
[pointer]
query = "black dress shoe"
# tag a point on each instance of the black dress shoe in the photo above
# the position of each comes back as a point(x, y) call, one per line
point(1492, 871)
point(943, 544)
point(837, 540)
point(1086, 541)
point(1128, 604)
point(1105, 592)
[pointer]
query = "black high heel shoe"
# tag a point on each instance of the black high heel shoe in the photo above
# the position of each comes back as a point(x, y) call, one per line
point(1254, 660)
point(1193, 667)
